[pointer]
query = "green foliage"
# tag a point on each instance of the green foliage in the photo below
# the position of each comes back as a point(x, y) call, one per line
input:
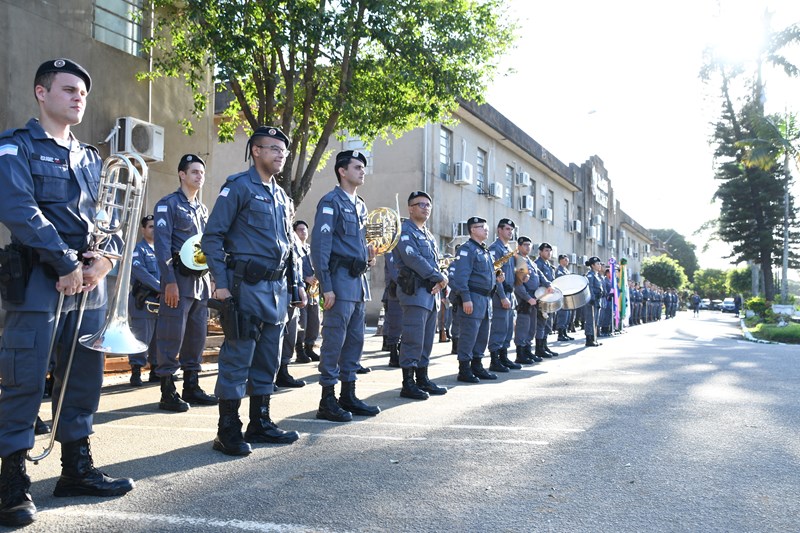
point(664, 272)
point(758, 305)
point(679, 249)
point(739, 281)
point(789, 334)
point(710, 283)
point(359, 68)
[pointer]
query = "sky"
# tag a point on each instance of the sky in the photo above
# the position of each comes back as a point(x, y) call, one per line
point(620, 79)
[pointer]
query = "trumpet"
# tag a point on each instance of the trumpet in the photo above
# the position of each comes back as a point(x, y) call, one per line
point(383, 228)
point(119, 202)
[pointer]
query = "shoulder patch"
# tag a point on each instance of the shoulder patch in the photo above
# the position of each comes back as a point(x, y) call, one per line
point(162, 209)
point(463, 253)
point(224, 192)
point(8, 149)
point(327, 210)
point(404, 237)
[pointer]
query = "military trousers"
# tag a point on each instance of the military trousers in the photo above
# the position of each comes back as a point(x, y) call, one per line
point(473, 334)
point(525, 329)
point(419, 329)
point(24, 360)
point(502, 328)
point(181, 335)
point(342, 342)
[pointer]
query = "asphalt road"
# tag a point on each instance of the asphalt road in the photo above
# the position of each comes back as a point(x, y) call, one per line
point(679, 425)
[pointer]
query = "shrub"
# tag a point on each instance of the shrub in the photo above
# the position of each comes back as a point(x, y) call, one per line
point(758, 305)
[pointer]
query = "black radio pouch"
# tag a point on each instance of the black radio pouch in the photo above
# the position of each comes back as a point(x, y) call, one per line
point(15, 271)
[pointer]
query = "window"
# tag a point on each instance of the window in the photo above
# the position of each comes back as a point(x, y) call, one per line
point(601, 239)
point(480, 172)
point(509, 185)
point(551, 200)
point(533, 195)
point(119, 23)
point(566, 215)
point(445, 152)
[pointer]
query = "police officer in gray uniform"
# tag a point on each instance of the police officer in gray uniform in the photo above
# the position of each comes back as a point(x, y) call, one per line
point(341, 257)
point(473, 282)
point(543, 324)
point(503, 301)
point(145, 291)
point(597, 292)
point(563, 316)
point(48, 202)
point(183, 313)
point(527, 315)
point(248, 250)
point(308, 324)
point(419, 287)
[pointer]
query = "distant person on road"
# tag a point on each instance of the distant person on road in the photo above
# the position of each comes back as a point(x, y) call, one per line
point(737, 304)
point(695, 304)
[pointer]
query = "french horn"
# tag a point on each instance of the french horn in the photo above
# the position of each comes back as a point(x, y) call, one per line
point(383, 228)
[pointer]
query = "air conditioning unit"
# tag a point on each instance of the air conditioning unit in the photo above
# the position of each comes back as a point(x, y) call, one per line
point(523, 179)
point(575, 226)
point(496, 190)
point(545, 214)
point(612, 244)
point(584, 258)
point(593, 233)
point(597, 220)
point(525, 203)
point(573, 258)
point(460, 229)
point(140, 137)
point(463, 173)
point(623, 234)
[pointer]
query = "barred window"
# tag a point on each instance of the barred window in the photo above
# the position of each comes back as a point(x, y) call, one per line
point(119, 23)
point(480, 172)
point(445, 152)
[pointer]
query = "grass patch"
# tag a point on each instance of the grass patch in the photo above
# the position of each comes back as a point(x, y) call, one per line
point(789, 334)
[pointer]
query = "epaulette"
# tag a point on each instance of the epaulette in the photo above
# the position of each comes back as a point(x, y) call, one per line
point(87, 146)
point(235, 177)
point(11, 132)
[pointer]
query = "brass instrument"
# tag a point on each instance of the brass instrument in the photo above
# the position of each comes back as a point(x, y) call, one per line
point(312, 290)
point(192, 256)
point(119, 202)
point(520, 269)
point(383, 228)
point(498, 264)
point(444, 262)
point(152, 307)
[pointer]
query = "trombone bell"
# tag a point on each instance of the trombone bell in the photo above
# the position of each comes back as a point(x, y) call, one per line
point(115, 338)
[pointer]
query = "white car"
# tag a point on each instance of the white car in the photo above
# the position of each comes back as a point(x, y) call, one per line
point(705, 303)
point(728, 306)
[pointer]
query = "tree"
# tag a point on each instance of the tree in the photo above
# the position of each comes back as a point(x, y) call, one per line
point(679, 249)
point(664, 272)
point(750, 215)
point(352, 68)
point(739, 281)
point(710, 283)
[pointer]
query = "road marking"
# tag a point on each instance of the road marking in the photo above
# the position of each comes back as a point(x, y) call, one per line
point(178, 520)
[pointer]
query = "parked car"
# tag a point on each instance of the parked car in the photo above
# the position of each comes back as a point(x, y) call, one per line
point(728, 305)
point(705, 303)
point(716, 305)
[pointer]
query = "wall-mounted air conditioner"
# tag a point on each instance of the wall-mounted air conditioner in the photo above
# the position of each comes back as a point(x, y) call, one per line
point(523, 179)
point(612, 244)
point(573, 258)
point(597, 220)
point(525, 203)
point(140, 137)
point(545, 214)
point(463, 175)
point(623, 234)
point(496, 190)
point(575, 226)
point(594, 231)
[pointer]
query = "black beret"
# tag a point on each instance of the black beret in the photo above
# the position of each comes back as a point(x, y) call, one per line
point(267, 131)
point(523, 240)
point(145, 220)
point(506, 222)
point(592, 260)
point(187, 160)
point(473, 221)
point(65, 65)
point(417, 194)
point(562, 256)
point(298, 222)
point(347, 155)
point(545, 245)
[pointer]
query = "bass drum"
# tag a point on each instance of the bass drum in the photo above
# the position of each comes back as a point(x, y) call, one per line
point(575, 289)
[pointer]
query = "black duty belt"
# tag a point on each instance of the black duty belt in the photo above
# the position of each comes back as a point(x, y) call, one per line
point(253, 271)
point(482, 292)
point(355, 267)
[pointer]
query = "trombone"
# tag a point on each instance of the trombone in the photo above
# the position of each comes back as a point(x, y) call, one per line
point(119, 202)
